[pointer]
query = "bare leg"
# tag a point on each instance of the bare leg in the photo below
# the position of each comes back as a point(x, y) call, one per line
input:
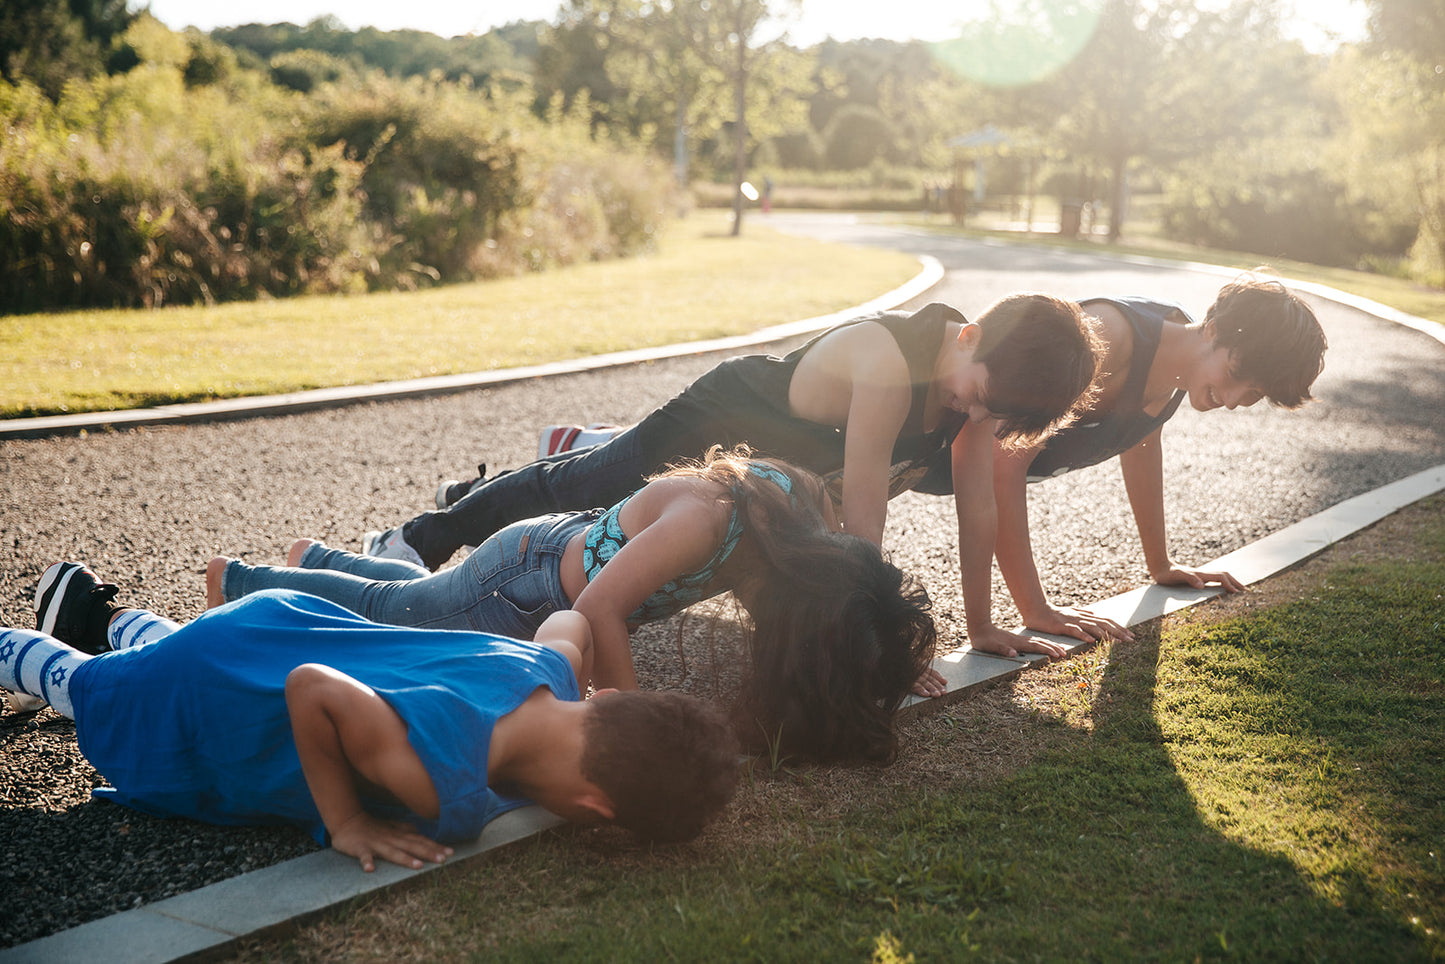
point(214, 571)
point(298, 549)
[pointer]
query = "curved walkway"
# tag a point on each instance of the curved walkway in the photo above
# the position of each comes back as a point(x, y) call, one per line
point(1301, 499)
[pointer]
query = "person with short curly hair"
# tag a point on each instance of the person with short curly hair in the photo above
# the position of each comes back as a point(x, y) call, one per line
point(385, 742)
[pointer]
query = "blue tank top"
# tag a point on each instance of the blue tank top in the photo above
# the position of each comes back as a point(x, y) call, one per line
point(195, 725)
point(605, 539)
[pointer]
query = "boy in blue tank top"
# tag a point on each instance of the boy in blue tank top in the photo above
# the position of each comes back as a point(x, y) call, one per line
point(385, 742)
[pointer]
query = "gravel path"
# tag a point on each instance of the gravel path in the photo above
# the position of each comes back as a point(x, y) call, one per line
point(148, 508)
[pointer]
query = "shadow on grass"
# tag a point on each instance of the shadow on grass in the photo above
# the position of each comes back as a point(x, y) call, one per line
point(1099, 849)
point(1137, 839)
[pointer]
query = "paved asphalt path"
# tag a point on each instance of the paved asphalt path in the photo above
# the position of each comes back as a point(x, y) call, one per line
point(148, 508)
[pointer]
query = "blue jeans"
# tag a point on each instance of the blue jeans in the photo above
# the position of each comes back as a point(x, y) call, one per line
point(508, 585)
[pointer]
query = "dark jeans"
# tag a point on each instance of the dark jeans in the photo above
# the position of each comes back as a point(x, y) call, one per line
point(723, 407)
point(595, 477)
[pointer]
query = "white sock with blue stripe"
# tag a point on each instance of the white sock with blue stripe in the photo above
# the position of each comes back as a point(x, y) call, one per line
point(136, 627)
point(39, 665)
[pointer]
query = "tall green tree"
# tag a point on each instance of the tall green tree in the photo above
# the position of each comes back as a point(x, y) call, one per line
point(673, 72)
point(1416, 27)
point(1165, 80)
point(1395, 97)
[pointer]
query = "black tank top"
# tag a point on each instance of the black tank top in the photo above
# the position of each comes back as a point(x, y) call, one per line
point(745, 399)
point(1091, 441)
point(1103, 436)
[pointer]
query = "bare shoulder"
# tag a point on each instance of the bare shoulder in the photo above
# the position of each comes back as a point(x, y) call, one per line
point(692, 500)
point(1118, 337)
point(863, 347)
point(1114, 326)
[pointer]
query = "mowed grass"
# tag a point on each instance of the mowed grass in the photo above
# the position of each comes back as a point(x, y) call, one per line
point(1255, 779)
point(699, 284)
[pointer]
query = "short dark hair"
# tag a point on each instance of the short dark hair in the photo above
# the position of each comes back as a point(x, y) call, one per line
point(1274, 340)
point(667, 761)
point(1042, 354)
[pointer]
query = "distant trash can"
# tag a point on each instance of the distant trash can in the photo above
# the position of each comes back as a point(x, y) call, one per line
point(1071, 216)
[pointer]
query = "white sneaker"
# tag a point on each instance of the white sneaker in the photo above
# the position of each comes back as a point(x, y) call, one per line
point(23, 702)
point(389, 545)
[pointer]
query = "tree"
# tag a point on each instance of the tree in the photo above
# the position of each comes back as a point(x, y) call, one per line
point(49, 42)
point(1416, 27)
point(1394, 95)
point(673, 72)
point(1165, 80)
point(745, 61)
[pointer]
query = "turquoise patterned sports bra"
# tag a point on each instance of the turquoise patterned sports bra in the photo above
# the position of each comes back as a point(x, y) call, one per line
point(605, 539)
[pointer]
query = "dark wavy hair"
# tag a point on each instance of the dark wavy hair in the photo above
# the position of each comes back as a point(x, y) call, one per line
point(837, 634)
point(1274, 339)
point(1042, 354)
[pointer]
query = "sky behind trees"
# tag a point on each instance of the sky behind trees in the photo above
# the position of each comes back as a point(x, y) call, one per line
point(1318, 23)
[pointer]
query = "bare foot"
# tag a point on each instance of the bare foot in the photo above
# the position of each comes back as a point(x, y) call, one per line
point(215, 569)
point(298, 549)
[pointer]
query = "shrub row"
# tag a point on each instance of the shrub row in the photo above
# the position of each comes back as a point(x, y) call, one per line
point(147, 188)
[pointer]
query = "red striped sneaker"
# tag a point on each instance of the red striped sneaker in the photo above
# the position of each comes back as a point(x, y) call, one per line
point(565, 438)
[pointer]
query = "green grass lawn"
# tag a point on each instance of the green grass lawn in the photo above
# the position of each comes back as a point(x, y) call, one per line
point(1256, 779)
point(700, 284)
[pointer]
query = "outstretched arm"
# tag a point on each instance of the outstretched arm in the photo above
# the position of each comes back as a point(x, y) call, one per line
point(345, 732)
point(857, 379)
point(876, 413)
point(677, 527)
point(1016, 557)
point(568, 632)
point(977, 529)
point(1143, 468)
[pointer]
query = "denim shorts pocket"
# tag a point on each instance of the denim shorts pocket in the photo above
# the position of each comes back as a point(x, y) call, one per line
point(515, 606)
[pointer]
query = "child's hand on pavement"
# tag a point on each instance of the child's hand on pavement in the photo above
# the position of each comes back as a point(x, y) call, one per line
point(1001, 642)
point(1198, 579)
point(366, 838)
point(930, 684)
point(1081, 624)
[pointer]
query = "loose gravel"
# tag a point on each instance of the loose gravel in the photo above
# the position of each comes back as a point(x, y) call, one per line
point(148, 508)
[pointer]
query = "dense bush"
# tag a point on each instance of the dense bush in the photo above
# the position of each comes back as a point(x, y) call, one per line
point(1304, 215)
point(179, 183)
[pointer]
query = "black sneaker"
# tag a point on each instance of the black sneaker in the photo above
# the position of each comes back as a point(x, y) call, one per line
point(75, 607)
